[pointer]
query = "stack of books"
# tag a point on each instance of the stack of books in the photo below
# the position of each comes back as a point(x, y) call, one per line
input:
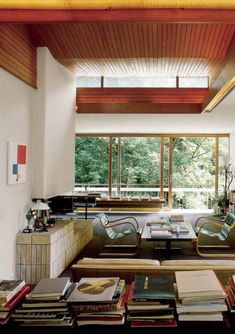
point(46, 305)
point(151, 302)
point(160, 229)
point(200, 296)
point(179, 227)
point(11, 294)
point(165, 229)
point(178, 224)
point(176, 218)
point(230, 290)
point(99, 301)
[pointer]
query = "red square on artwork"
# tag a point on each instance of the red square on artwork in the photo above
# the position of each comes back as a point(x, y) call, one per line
point(21, 154)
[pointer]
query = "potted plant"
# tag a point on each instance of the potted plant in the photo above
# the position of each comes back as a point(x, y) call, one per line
point(221, 201)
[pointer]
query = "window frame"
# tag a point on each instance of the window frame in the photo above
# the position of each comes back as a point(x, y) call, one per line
point(162, 137)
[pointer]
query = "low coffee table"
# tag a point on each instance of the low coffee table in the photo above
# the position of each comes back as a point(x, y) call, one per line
point(186, 236)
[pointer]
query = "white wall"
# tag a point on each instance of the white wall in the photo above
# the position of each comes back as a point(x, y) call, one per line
point(221, 120)
point(43, 119)
point(16, 110)
point(54, 128)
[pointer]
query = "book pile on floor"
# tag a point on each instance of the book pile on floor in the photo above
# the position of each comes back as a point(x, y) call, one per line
point(151, 302)
point(11, 294)
point(99, 301)
point(46, 305)
point(230, 290)
point(200, 296)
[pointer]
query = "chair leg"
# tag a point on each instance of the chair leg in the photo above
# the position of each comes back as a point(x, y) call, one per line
point(215, 246)
point(131, 250)
point(120, 246)
point(119, 251)
point(214, 255)
point(118, 254)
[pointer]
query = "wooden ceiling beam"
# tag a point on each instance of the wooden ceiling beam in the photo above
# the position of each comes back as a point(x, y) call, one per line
point(118, 15)
point(223, 82)
point(141, 95)
point(139, 108)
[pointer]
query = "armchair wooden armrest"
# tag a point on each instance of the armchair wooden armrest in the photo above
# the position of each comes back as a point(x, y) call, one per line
point(201, 220)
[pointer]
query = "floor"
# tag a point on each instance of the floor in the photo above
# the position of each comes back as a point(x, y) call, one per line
point(148, 251)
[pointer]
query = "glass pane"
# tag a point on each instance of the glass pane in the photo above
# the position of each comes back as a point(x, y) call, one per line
point(83, 82)
point(115, 175)
point(196, 82)
point(223, 155)
point(140, 82)
point(193, 176)
point(166, 169)
point(91, 164)
point(139, 159)
point(225, 175)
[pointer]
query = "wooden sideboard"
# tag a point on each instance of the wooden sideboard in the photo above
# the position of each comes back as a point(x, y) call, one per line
point(47, 254)
point(155, 203)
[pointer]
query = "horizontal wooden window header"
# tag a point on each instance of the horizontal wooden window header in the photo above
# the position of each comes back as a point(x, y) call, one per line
point(103, 4)
point(171, 135)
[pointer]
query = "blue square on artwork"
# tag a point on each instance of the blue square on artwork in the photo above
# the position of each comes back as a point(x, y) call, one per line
point(14, 169)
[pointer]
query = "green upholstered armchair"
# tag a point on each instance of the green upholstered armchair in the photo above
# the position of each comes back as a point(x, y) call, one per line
point(216, 237)
point(117, 229)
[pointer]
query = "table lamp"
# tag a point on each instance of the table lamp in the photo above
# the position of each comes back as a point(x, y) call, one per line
point(41, 214)
point(28, 216)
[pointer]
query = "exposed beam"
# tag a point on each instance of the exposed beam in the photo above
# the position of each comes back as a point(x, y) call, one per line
point(139, 108)
point(224, 81)
point(223, 92)
point(118, 15)
point(141, 95)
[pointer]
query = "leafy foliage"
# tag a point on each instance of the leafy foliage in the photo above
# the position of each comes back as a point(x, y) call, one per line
point(91, 160)
point(193, 166)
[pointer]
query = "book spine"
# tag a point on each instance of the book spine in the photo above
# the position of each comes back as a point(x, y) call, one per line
point(16, 299)
point(69, 290)
point(130, 292)
point(78, 308)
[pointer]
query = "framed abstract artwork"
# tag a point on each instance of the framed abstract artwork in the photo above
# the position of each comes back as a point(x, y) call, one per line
point(16, 163)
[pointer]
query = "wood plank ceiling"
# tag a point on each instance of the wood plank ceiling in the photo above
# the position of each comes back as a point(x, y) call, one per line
point(129, 49)
point(137, 48)
point(129, 42)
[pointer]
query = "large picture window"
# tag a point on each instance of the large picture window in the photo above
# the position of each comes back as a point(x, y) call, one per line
point(193, 171)
point(136, 167)
point(182, 169)
point(91, 163)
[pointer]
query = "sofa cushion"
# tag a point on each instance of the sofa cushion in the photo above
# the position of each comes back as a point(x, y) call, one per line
point(219, 263)
point(121, 262)
point(129, 268)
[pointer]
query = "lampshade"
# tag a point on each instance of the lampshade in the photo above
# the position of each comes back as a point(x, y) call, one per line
point(39, 205)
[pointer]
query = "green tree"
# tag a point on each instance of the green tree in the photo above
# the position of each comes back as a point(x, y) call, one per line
point(91, 160)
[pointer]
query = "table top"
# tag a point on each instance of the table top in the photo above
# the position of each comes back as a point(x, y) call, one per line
point(190, 235)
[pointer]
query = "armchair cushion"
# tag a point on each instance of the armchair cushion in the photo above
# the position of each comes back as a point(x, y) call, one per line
point(117, 229)
point(230, 219)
